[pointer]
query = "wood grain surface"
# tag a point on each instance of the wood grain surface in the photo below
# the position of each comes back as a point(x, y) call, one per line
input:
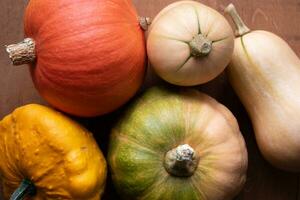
point(279, 16)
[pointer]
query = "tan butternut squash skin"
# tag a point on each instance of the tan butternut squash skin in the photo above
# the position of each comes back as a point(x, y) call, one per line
point(265, 73)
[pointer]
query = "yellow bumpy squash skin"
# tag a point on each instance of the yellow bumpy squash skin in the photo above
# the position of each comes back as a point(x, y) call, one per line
point(56, 154)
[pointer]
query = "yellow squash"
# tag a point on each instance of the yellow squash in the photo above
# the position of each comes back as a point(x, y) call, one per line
point(53, 157)
point(265, 73)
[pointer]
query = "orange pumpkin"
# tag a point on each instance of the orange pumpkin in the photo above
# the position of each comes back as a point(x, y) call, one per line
point(87, 57)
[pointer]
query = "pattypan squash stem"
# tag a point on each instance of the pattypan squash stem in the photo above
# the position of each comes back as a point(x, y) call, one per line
point(26, 188)
point(23, 52)
point(242, 29)
point(181, 161)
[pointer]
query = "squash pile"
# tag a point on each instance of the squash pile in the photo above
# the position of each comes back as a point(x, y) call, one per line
point(87, 58)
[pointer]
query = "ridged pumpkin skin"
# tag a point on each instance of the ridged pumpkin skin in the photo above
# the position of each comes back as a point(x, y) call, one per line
point(162, 119)
point(59, 156)
point(90, 54)
point(169, 43)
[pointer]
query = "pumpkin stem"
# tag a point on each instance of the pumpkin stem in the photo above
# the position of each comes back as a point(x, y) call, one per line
point(144, 22)
point(242, 29)
point(181, 161)
point(25, 188)
point(200, 46)
point(22, 53)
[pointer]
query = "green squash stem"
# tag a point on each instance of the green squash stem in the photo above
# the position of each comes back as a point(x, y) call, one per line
point(181, 161)
point(200, 46)
point(241, 28)
point(26, 188)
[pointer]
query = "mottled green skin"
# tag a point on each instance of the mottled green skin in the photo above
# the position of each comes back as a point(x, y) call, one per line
point(154, 124)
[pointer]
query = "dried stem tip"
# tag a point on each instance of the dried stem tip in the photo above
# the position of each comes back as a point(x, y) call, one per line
point(23, 52)
point(200, 46)
point(181, 161)
point(241, 28)
point(144, 22)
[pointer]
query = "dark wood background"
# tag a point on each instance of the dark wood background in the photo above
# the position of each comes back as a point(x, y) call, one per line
point(279, 16)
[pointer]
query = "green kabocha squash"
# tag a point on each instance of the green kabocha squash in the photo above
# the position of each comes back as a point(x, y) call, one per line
point(177, 144)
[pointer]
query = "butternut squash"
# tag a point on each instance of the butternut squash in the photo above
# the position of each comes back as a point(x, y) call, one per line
point(265, 73)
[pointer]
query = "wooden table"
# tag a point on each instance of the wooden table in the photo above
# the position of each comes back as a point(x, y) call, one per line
point(279, 16)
